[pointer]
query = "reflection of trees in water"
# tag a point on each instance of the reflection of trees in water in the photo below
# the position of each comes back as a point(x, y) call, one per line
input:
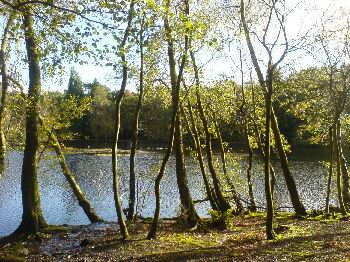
point(95, 181)
point(93, 173)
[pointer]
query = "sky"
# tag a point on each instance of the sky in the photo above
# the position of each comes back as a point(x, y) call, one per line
point(303, 18)
point(298, 24)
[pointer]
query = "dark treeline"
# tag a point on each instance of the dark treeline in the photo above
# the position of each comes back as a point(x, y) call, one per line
point(94, 128)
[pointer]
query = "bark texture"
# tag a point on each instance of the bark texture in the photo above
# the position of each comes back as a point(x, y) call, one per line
point(252, 204)
point(268, 191)
point(82, 200)
point(293, 192)
point(4, 89)
point(175, 89)
point(132, 180)
point(339, 169)
point(330, 170)
point(193, 131)
point(119, 98)
point(32, 217)
point(220, 199)
point(188, 212)
point(236, 199)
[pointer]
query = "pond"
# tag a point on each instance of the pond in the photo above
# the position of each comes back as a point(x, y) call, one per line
point(93, 173)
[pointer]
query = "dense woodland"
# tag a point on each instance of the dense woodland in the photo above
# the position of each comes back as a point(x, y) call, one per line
point(165, 97)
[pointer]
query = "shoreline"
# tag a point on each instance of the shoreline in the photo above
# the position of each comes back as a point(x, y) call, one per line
point(105, 151)
point(313, 238)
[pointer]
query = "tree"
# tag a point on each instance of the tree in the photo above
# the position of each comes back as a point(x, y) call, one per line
point(59, 113)
point(338, 90)
point(270, 118)
point(32, 219)
point(75, 85)
point(100, 118)
point(35, 39)
point(175, 135)
point(318, 96)
point(118, 101)
point(196, 143)
point(223, 204)
point(4, 87)
point(135, 132)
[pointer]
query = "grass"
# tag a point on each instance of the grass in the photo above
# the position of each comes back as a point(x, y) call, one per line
point(187, 240)
point(15, 252)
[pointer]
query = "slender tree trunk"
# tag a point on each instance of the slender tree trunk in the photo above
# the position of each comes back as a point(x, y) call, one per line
point(292, 188)
point(3, 150)
point(252, 204)
point(175, 87)
point(197, 147)
point(245, 117)
point(235, 195)
point(119, 98)
point(330, 172)
point(345, 172)
point(132, 181)
point(83, 202)
point(261, 148)
point(153, 229)
point(222, 203)
point(293, 192)
point(262, 153)
point(344, 169)
point(339, 171)
point(188, 211)
point(32, 217)
point(4, 89)
point(268, 191)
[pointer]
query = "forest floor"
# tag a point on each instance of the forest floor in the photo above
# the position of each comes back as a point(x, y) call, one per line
point(314, 238)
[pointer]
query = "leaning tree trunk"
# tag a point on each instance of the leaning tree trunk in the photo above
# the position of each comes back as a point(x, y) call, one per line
point(234, 192)
point(222, 203)
point(32, 217)
point(188, 212)
point(268, 192)
point(330, 171)
point(82, 200)
point(4, 89)
point(198, 148)
point(119, 98)
point(291, 186)
point(132, 181)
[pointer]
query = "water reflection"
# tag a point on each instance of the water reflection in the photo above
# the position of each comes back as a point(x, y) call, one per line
point(95, 178)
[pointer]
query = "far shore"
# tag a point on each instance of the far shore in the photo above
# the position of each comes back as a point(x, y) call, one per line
point(104, 151)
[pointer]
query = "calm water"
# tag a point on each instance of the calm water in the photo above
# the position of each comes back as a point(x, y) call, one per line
point(94, 176)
